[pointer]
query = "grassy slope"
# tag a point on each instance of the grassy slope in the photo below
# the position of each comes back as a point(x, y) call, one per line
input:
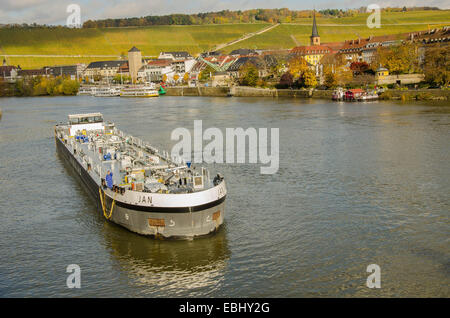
point(280, 37)
point(152, 40)
point(113, 41)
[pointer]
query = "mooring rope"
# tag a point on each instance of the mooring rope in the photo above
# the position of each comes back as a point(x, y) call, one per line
point(103, 201)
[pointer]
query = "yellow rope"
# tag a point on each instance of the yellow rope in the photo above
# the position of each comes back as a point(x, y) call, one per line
point(103, 201)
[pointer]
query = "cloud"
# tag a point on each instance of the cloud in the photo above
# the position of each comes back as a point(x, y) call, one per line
point(30, 11)
point(54, 12)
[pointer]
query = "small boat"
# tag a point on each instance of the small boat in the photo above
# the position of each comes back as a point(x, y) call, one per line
point(353, 94)
point(368, 96)
point(338, 94)
point(139, 91)
point(107, 91)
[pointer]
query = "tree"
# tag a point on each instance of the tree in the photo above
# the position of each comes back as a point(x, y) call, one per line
point(121, 78)
point(343, 75)
point(359, 67)
point(249, 75)
point(286, 80)
point(437, 66)
point(69, 87)
point(176, 77)
point(308, 79)
point(206, 73)
point(399, 59)
point(330, 79)
point(297, 65)
point(186, 77)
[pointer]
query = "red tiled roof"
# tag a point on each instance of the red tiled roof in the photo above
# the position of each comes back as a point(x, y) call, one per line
point(161, 62)
point(312, 49)
point(334, 46)
point(362, 42)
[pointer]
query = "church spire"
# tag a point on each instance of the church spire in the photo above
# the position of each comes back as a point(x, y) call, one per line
point(315, 33)
point(315, 37)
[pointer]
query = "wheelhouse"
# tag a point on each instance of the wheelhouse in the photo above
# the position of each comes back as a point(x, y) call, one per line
point(85, 122)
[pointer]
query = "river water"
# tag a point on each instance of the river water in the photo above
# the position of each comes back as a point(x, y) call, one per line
point(358, 184)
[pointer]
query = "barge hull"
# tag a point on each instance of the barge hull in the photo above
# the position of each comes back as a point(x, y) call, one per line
point(176, 224)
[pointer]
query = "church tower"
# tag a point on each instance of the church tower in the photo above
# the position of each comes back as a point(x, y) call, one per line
point(315, 38)
point(134, 62)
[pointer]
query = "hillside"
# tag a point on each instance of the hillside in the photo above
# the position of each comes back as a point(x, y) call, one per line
point(113, 42)
point(334, 30)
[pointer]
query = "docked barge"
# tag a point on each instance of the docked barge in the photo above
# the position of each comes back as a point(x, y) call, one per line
point(146, 191)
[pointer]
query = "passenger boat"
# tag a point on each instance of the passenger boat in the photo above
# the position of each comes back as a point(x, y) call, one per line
point(139, 91)
point(87, 90)
point(107, 91)
point(148, 193)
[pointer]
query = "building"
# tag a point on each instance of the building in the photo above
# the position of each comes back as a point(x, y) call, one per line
point(134, 62)
point(9, 73)
point(183, 66)
point(35, 72)
point(382, 73)
point(155, 70)
point(432, 37)
point(312, 54)
point(175, 56)
point(73, 71)
point(364, 49)
point(124, 69)
point(314, 38)
point(259, 63)
point(106, 69)
point(221, 79)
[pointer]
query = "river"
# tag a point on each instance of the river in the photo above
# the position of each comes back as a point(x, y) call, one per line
point(358, 184)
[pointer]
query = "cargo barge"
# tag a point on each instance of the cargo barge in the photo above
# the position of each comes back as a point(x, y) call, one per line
point(137, 186)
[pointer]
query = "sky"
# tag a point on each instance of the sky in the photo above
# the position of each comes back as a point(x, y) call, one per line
point(55, 11)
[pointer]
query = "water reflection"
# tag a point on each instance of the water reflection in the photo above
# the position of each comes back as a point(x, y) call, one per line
point(172, 268)
point(162, 267)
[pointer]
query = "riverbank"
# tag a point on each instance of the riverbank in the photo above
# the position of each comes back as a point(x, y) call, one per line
point(419, 94)
point(242, 91)
point(39, 86)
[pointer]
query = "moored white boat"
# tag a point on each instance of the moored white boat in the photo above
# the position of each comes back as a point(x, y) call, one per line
point(87, 90)
point(139, 91)
point(107, 91)
point(338, 94)
point(368, 96)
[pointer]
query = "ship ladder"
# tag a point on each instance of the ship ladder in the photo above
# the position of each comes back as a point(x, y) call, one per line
point(103, 201)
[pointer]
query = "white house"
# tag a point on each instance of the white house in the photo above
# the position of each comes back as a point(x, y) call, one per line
point(154, 71)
